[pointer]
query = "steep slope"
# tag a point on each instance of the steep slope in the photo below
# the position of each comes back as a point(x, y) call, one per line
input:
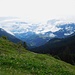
point(9, 36)
point(64, 48)
point(16, 60)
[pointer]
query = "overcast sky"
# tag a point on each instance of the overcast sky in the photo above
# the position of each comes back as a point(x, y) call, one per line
point(37, 10)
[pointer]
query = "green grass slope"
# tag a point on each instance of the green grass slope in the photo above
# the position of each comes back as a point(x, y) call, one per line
point(15, 60)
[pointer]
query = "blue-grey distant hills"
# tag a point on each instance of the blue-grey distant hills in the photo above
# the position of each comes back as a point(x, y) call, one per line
point(38, 34)
point(35, 40)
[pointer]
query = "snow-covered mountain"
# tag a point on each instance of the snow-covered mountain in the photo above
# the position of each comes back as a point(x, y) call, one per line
point(37, 34)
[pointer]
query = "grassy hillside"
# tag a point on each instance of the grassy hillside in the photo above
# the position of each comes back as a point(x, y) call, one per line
point(15, 60)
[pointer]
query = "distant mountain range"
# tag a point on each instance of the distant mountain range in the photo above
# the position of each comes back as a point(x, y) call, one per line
point(35, 40)
point(36, 35)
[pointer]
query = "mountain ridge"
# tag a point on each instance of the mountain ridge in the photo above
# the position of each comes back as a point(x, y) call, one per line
point(9, 36)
